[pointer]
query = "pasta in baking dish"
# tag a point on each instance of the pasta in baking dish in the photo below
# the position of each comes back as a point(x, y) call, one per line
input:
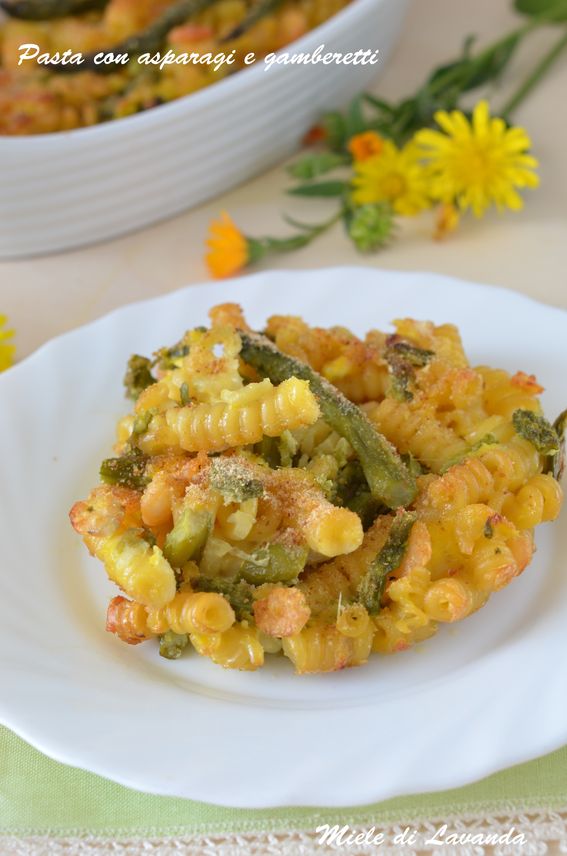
point(305, 493)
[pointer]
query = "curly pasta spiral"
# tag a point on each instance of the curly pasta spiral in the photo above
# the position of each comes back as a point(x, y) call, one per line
point(128, 620)
point(417, 432)
point(537, 501)
point(368, 382)
point(244, 417)
point(322, 648)
point(512, 464)
point(193, 612)
point(327, 528)
point(236, 648)
point(504, 393)
point(140, 570)
point(444, 339)
point(449, 599)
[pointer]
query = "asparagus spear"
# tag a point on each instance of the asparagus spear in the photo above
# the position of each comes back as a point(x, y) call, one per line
point(187, 537)
point(148, 41)
point(138, 376)
point(171, 644)
point(239, 593)
point(274, 563)
point(43, 10)
point(389, 480)
point(403, 358)
point(260, 10)
point(555, 464)
point(128, 470)
point(371, 586)
point(537, 430)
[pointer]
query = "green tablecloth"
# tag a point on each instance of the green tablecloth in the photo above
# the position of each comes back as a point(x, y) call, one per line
point(39, 796)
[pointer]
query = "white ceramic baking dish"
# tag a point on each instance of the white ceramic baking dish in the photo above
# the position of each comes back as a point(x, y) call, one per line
point(64, 190)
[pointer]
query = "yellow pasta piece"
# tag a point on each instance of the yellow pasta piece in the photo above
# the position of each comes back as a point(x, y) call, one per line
point(537, 501)
point(228, 314)
point(322, 648)
point(327, 529)
point(416, 431)
point(444, 339)
point(504, 393)
point(511, 464)
point(463, 484)
point(207, 373)
point(140, 570)
point(392, 635)
point(193, 612)
point(244, 417)
point(236, 648)
point(128, 620)
point(353, 620)
point(449, 599)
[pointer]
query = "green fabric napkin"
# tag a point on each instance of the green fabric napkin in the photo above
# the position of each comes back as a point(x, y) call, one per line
point(39, 796)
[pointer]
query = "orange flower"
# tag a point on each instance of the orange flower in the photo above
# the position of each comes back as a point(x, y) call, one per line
point(366, 145)
point(229, 250)
point(447, 220)
point(314, 135)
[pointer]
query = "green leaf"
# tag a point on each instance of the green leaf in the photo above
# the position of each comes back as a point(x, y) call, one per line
point(355, 117)
point(322, 188)
point(335, 130)
point(555, 10)
point(313, 165)
point(379, 104)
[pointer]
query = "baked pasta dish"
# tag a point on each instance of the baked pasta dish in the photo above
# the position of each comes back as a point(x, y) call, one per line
point(307, 493)
point(38, 97)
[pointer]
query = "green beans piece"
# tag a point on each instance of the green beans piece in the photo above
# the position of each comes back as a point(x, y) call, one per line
point(129, 470)
point(171, 645)
point(537, 430)
point(238, 593)
point(138, 376)
point(188, 536)
point(389, 480)
point(274, 563)
point(372, 584)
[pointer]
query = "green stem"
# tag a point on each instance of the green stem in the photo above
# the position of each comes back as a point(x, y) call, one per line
point(454, 73)
point(534, 77)
point(261, 246)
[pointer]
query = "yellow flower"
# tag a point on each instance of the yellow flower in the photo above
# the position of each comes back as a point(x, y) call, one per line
point(479, 162)
point(7, 351)
point(395, 176)
point(447, 220)
point(229, 250)
point(365, 145)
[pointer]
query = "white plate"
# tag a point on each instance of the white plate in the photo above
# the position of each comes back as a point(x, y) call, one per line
point(63, 190)
point(480, 696)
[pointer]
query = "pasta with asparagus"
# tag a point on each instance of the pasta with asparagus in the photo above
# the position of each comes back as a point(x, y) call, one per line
point(308, 494)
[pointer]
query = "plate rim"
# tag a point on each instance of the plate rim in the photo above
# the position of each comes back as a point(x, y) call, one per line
point(542, 746)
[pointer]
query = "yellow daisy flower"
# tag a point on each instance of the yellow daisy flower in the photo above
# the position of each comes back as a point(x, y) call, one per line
point(228, 248)
point(477, 163)
point(7, 351)
point(395, 176)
